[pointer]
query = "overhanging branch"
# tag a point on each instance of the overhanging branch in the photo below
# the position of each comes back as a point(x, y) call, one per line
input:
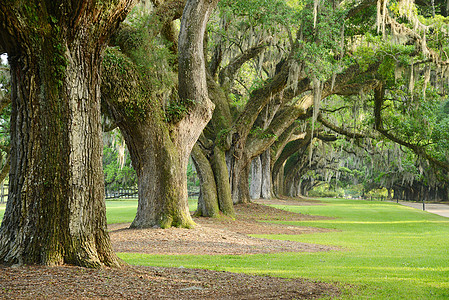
point(342, 131)
point(417, 149)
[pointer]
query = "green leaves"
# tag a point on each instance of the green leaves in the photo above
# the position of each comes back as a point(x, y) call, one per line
point(260, 12)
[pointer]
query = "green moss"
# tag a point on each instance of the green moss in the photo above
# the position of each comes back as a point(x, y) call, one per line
point(222, 137)
point(177, 110)
point(125, 87)
point(260, 133)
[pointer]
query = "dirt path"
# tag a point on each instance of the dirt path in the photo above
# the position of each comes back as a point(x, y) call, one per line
point(211, 236)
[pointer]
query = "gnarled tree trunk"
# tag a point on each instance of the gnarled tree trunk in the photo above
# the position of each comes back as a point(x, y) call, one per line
point(56, 212)
point(160, 147)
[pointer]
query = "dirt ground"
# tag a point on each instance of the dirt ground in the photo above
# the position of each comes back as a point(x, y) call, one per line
point(210, 236)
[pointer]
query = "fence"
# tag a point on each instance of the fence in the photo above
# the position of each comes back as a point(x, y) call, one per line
point(110, 194)
point(121, 193)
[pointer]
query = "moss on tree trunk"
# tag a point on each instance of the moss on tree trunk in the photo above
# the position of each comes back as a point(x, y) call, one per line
point(56, 212)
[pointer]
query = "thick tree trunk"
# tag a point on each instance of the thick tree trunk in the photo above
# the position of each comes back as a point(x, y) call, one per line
point(243, 185)
point(215, 189)
point(162, 186)
point(160, 162)
point(260, 186)
point(222, 180)
point(56, 212)
point(160, 148)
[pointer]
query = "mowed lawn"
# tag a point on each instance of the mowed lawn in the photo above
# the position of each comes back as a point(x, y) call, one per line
point(124, 211)
point(118, 210)
point(388, 251)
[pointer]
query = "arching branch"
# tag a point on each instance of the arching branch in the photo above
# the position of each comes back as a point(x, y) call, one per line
point(227, 74)
point(417, 149)
point(342, 131)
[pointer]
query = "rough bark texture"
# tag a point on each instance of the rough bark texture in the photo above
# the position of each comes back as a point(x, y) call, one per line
point(222, 180)
point(56, 212)
point(159, 162)
point(160, 146)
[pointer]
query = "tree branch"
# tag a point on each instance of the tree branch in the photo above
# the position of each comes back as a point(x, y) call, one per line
point(226, 75)
point(342, 131)
point(417, 149)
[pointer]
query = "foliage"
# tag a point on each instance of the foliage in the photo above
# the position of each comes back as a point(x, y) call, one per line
point(325, 190)
point(118, 171)
point(175, 111)
point(260, 133)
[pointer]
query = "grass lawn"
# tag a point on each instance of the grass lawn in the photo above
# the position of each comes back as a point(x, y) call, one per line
point(118, 210)
point(124, 211)
point(388, 251)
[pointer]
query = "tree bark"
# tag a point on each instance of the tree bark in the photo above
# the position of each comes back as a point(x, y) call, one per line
point(208, 199)
point(266, 175)
point(159, 160)
point(160, 147)
point(56, 211)
point(215, 196)
point(243, 185)
point(162, 175)
point(256, 178)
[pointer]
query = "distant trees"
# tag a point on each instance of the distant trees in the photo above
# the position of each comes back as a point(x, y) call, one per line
point(329, 57)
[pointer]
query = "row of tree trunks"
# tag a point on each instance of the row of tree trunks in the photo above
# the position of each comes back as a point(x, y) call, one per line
point(418, 192)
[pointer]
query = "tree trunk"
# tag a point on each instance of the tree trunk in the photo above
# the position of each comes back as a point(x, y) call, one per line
point(208, 199)
point(162, 186)
point(260, 186)
point(56, 212)
point(160, 147)
point(243, 185)
point(222, 180)
point(215, 189)
point(266, 175)
point(256, 178)
point(278, 182)
point(159, 159)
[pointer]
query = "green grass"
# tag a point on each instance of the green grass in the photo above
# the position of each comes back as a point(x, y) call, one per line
point(2, 211)
point(124, 211)
point(119, 210)
point(388, 251)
